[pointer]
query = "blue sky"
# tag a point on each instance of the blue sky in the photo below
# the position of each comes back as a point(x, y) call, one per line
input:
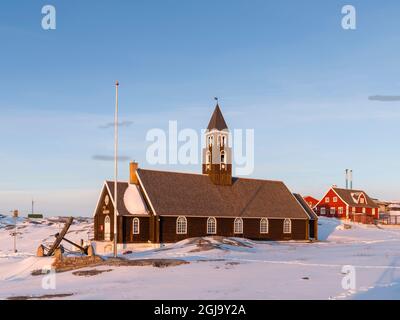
point(286, 69)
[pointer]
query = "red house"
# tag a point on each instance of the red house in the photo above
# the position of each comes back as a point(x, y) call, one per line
point(311, 201)
point(354, 205)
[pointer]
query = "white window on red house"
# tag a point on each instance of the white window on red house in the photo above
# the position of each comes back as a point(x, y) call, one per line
point(373, 212)
point(340, 210)
point(327, 200)
point(323, 211)
point(354, 209)
point(363, 210)
point(362, 200)
point(335, 199)
point(333, 211)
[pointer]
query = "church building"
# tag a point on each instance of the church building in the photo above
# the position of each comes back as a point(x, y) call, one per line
point(156, 207)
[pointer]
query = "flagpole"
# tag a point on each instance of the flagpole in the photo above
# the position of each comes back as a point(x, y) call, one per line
point(116, 169)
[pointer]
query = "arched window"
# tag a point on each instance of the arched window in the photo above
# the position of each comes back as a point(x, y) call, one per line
point(107, 228)
point(223, 141)
point(287, 226)
point(211, 225)
point(136, 226)
point(208, 157)
point(238, 226)
point(210, 140)
point(264, 226)
point(181, 225)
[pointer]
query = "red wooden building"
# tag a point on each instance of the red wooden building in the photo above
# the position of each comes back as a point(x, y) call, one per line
point(354, 205)
point(311, 201)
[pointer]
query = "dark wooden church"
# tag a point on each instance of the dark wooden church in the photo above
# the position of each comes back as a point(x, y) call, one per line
point(157, 207)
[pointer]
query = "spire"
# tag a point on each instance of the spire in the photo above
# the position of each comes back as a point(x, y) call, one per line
point(217, 120)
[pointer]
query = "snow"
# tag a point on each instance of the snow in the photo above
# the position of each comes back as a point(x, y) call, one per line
point(239, 269)
point(133, 201)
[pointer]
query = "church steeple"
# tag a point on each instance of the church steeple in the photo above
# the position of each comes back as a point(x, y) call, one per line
point(217, 120)
point(217, 155)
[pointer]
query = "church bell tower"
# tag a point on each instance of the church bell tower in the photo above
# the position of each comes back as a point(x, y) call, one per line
point(217, 154)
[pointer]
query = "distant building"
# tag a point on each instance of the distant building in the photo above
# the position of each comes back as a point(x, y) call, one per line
point(384, 206)
point(354, 205)
point(311, 201)
point(35, 216)
point(394, 209)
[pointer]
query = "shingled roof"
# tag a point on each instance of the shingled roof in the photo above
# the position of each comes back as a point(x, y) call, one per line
point(175, 194)
point(121, 188)
point(347, 196)
point(217, 120)
point(306, 207)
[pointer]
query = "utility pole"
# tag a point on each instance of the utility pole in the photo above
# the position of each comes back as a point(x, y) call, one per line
point(116, 170)
point(15, 215)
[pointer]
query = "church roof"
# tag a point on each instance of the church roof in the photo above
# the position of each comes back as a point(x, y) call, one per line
point(175, 194)
point(306, 207)
point(217, 120)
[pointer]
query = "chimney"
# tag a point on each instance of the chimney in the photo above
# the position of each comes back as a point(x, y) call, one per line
point(347, 178)
point(133, 166)
point(351, 179)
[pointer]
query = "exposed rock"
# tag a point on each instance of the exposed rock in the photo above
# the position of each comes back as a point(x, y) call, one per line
point(90, 273)
point(46, 296)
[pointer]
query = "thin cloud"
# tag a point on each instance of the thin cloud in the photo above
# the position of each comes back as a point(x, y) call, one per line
point(384, 98)
point(120, 124)
point(99, 157)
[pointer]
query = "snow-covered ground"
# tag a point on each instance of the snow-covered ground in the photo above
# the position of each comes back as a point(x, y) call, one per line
point(254, 270)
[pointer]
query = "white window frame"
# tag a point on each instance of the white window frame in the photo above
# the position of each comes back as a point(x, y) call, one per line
point(238, 226)
point(209, 221)
point(364, 211)
point(137, 221)
point(332, 211)
point(181, 225)
point(223, 141)
point(327, 199)
point(264, 226)
point(334, 199)
point(287, 226)
point(362, 200)
point(340, 210)
point(208, 157)
point(210, 140)
point(322, 211)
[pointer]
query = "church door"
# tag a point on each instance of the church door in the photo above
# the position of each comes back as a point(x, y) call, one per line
point(107, 229)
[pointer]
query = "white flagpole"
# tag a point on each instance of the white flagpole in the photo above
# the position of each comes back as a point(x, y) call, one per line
point(116, 169)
